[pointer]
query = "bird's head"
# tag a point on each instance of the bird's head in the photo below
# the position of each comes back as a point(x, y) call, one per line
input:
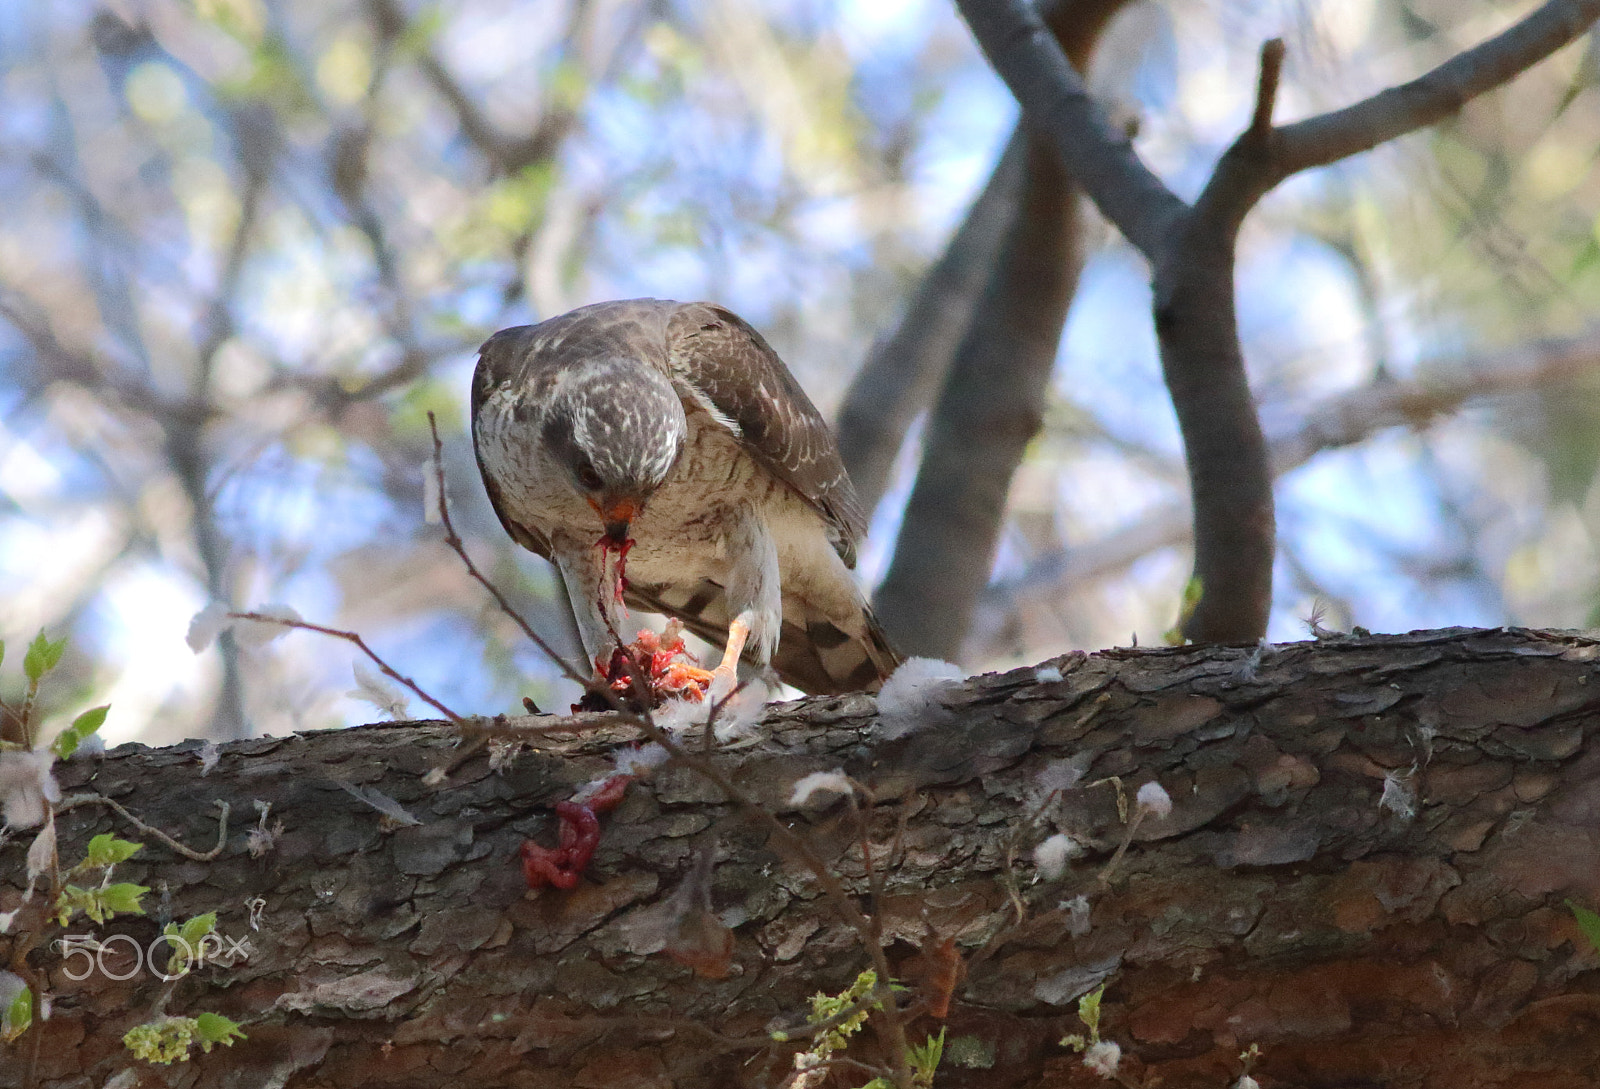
point(615, 428)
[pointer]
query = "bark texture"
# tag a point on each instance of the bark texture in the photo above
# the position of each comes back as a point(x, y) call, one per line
point(1363, 873)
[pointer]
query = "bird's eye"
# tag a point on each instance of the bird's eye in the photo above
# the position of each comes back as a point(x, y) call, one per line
point(588, 477)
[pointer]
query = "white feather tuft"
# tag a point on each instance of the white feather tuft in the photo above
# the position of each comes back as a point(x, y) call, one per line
point(1051, 856)
point(258, 633)
point(638, 761)
point(26, 786)
point(376, 689)
point(909, 699)
point(206, 625)
point(1398, 797)
point(833, 782)
point(1077, 910)
point(1154, 799)
point(1062, 775)
point(741, 711)
point(1103, 1057)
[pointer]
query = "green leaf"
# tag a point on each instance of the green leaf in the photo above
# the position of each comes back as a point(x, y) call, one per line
point(213, 1028)
point(90, 721)
point(106, 850)
point(68, 740)
point(42, 656)
point(18, 1016)
point(194, 930)
point(925, 1059)
point(122, 898)
point(1089, 1010)
point(1588, 922)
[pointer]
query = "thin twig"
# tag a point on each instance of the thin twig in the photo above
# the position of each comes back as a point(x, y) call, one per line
point(1272, 54)
point(453, 539)
point(150, 830)
point(361, 645)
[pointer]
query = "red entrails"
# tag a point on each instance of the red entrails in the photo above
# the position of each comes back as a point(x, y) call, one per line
point(576, 841)
point(670, 672)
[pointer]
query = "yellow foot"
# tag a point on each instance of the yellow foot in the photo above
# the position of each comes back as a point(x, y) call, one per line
point(725, 678)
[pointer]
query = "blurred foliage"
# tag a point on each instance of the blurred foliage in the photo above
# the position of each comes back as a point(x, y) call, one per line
point(248, 244)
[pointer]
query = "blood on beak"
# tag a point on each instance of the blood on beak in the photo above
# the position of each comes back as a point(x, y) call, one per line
point(617, 517)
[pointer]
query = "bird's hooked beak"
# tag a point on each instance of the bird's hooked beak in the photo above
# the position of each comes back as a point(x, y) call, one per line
point(617, 516)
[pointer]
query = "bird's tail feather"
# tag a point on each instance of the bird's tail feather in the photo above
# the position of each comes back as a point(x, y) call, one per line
point(815, 654)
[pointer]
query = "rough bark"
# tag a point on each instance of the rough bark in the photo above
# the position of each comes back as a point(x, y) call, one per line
point(1363, 873)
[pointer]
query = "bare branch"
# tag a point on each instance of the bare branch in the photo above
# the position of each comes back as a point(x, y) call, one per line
point(1096, 153)
point(1256, 163)
point(1428, 99)
point(509, 155)
point(453, 539)
point(1344, 419)
point(1267, 89)
point(986, 415)
point(361, 645)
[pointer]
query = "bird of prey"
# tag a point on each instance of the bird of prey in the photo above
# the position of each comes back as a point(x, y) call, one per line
point(670, 434)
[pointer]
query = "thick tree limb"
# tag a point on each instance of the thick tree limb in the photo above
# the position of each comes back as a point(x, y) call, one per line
point(1191, 253)
point(991, 403)
point(1098, 156)
point(988, 411)
point(1364, 872)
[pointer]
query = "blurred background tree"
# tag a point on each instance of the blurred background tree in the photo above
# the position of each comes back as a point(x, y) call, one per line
point(247, 244)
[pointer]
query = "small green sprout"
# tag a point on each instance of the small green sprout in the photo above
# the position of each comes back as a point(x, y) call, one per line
point(187, 939)
point(169, 1039)
point(42, 656)
point(68, 740)
point(1089, 1014)
point(18, 1014)
point(1588, 922)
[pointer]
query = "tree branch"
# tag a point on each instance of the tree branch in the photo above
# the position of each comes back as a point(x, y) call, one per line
point(1192, 254)
point(1257, 162)
point(1341, 420)
point(1318, 141)
point(1097, 155)
point(992, 402)
point(989, 410)
point(367, 955)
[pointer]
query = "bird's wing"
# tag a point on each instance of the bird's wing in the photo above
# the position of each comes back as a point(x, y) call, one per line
point(506, 361)
point(735, 375)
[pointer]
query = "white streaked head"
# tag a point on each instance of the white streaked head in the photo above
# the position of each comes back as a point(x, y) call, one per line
point(616, 427)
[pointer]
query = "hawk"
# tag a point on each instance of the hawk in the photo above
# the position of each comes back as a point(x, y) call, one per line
point(670, 434)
